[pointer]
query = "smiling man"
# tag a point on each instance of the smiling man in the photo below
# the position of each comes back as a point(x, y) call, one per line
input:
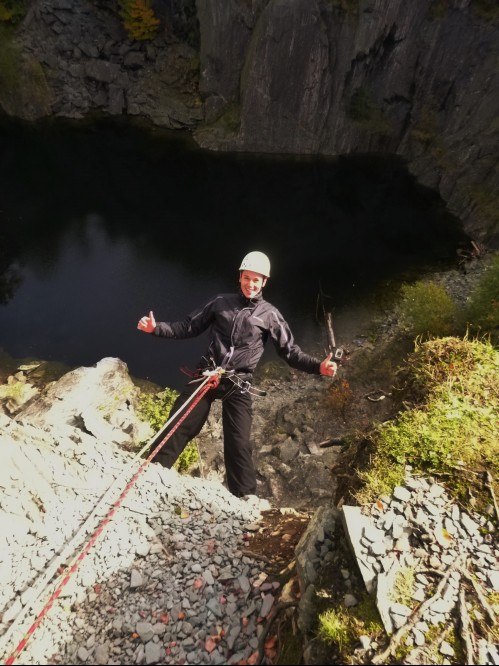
point(240, 324)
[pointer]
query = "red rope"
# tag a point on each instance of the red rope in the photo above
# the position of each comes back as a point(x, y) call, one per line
point(212, 383)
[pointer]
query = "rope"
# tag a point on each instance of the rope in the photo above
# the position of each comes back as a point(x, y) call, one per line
point(212, 380)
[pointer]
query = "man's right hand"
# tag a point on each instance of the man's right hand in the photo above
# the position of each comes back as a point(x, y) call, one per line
point(147, 324)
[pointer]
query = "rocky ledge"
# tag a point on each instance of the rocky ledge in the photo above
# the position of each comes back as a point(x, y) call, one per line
point(180, 574)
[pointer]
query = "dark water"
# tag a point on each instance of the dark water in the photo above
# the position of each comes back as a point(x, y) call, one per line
point(99, 224)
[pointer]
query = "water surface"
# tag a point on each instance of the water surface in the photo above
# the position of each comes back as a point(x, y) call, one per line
point(101, 223)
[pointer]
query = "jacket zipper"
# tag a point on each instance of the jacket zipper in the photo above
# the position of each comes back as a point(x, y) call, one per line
point(234, 322)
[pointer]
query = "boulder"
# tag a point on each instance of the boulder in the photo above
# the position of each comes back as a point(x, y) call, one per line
point(99, 400)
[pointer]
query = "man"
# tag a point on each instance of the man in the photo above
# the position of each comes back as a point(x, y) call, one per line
point(240, 326)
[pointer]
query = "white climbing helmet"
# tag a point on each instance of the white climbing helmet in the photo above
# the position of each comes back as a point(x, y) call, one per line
point(257, 262)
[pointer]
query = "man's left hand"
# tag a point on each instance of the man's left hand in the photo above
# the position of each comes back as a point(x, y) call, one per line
point(328, 367)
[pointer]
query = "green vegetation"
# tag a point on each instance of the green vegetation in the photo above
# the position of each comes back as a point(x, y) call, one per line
point(486, 9)
point(486, 200)
point(364, 110)
point(347, 6)
point(139, 19)
point(17, 391)
point(333, 628)
point(22, 81)
point(426, 308)
point(426, 131)
point(403, 586)
point(452, 428)
point(438, 9)
point(230, 120)
point(155, 408)
point(483, 308)
point(12, 11)
point(343, 626)
point(10, 59)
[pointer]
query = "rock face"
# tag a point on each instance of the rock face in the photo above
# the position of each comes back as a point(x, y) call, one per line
point(97, 400)
point(86, 64)
point(418, 79)
point(316, 76)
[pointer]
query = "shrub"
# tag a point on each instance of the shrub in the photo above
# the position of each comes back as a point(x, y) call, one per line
point(483, 308)
point(12, 11)
point(427, 309)
point(139, 19)
point(155, 408)
point(339, 397)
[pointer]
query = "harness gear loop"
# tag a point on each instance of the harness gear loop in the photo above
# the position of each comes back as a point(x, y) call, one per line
point(245, 385)
point(211, 380)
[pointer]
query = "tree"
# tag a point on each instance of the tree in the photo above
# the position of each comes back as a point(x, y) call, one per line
point(139, 19)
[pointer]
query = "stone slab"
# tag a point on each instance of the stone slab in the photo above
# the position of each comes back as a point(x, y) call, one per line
point(355, 523)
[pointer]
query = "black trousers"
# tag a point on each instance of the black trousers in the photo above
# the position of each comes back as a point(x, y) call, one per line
point(236, 419)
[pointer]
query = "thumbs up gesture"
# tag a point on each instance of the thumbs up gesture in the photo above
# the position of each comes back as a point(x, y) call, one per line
point(147, 324)
point(328, 367)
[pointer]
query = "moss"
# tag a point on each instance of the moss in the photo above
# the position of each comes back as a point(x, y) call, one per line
point(486, 201)
point(425, 129)
point(347, 6)
point(365, 111)
point(452, 426)
point(438, 9)
point(403, 586)
point(16, 391)
point(230, 120)
point(23, 88)
point(485, 9)
point(10, 57)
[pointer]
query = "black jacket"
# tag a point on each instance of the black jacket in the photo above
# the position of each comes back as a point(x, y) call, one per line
point(240, 327)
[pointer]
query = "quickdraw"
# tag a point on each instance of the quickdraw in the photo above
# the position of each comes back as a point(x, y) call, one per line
point(211, 380)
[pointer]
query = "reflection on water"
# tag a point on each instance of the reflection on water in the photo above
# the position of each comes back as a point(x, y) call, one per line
point(99, 224)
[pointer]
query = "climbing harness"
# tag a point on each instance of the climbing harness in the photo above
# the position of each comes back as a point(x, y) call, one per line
point(244, 385)
point(210, 379)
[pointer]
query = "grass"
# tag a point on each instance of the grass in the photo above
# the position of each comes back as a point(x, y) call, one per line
point(333, 628)
point(452, 427)
point(343, 626)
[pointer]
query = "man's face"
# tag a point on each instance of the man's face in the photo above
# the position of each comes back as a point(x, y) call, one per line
point(251, 283)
